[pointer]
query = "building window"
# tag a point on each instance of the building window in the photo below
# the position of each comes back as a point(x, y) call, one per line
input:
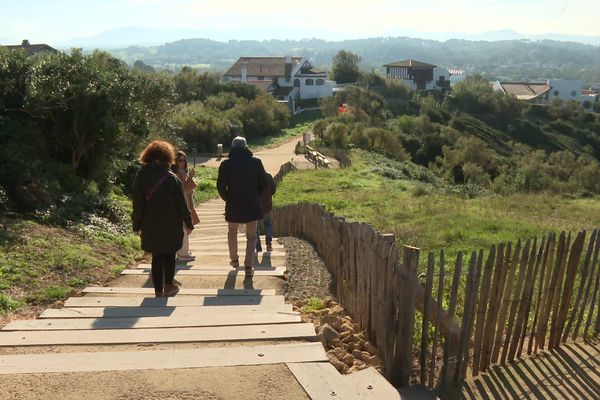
point(261, 78)
point(573, 93)
point(556, 92)
point(320, 82)
point(280, 98)
point(310, 82)
point(296, 82)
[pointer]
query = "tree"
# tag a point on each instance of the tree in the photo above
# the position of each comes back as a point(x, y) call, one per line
point(345, 67)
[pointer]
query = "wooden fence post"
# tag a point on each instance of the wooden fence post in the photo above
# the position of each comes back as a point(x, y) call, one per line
point(406, 318)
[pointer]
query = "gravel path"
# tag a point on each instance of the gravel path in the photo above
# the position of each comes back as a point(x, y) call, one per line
point(308, 275)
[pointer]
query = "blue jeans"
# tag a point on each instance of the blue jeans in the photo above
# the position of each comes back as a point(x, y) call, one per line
point(268, 231)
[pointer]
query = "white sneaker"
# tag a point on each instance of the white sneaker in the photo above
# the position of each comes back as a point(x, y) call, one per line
point(186, 258)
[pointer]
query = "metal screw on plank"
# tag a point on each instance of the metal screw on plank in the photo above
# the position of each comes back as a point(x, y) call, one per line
point(370, 387)
point(333, 393)
point(263, 331)
point(261, 354)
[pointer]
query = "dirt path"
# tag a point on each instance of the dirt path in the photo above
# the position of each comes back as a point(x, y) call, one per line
point(272, 158)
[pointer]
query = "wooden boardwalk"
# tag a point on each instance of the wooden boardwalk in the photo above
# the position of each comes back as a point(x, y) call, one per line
point(246, 325)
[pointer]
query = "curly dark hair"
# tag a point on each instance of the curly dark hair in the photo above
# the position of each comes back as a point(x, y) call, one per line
point(158, 151)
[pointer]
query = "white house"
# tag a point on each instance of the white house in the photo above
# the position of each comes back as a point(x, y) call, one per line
point(286, 78)
point(546, 92)
point(419, 75)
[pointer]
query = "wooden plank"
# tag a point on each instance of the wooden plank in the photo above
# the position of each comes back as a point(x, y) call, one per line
point(199, 266)
point(491, 318)
point(505, 293)
point(440, 298)
point(369, 384)
point(583, 283)
point(543, 293)
point(482, 310)
point(426, 316)
point(567, 293)
point(159, 335)
point(223, 246)
point(162, 359)
point(130, 312)
point(594, 292)
point(321, 381)
point(516, 347)
point(450, 342)
point(548, 304)
point(515, 301)
point(212, 272)
point(182, 291)
point(177, 301)
point(405, 322)
point(472, 289)
point(556, 304)
point(222, 319)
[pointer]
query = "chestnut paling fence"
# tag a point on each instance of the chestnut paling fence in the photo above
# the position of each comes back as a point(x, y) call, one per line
point(491, 307)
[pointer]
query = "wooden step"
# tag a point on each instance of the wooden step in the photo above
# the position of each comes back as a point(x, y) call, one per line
point(223, 253)
point(182, 291)
point(177, 301)
point(199, 266)
point(162, 359)
point(322, 381)
point(370, 384)
point(220, 238)
point(221, 319)
point(130, 312)
point(159, 335)
point(222, 246)
point(215, 272)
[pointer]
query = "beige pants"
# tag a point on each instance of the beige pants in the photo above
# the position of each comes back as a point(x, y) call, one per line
point(185, 248)
point(250, 241)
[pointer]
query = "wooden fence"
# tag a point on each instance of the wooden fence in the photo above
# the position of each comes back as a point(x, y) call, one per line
point(373, 286)
point(517, 299)
point(503, 304)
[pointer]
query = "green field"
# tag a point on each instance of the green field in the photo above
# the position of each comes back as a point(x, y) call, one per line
point(421, 215)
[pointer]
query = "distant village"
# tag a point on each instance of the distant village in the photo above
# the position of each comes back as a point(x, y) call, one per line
point(291, 78)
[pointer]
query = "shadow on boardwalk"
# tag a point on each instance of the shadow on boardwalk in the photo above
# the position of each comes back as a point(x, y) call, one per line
point(572, 372)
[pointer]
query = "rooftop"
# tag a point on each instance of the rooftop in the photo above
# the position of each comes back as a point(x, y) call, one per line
point(525, 90)
point(261, 66)
point(410, 64)
point(31, 49)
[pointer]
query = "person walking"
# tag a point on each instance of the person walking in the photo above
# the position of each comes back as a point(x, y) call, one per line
point(186, 176)
point(241, 178)
point(266, 205)
point(159, 209)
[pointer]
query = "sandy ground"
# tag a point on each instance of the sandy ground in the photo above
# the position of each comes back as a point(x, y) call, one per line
point(240, 383)
point(272, 158)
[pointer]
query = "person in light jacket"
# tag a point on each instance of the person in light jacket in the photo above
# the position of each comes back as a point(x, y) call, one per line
point(186, 176)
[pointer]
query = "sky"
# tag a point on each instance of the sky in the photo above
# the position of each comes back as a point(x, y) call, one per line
point(44, 21)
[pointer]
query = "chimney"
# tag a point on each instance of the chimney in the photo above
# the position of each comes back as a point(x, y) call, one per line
point(244, 71)
point(288, 68)
point(25, 42)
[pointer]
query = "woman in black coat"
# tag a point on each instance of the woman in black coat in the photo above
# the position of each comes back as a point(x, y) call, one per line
point(159, 209)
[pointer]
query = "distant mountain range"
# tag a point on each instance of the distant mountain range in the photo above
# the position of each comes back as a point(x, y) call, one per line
point(133, 36)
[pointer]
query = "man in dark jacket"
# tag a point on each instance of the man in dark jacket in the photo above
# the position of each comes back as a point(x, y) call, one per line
point(241, 178)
